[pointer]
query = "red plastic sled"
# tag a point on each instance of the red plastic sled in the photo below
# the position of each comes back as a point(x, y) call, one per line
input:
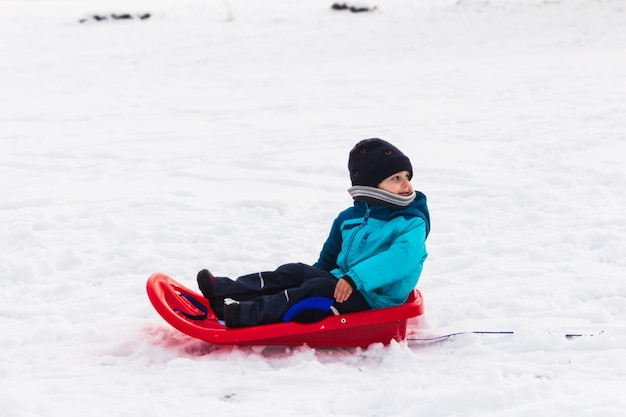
point(185, 310)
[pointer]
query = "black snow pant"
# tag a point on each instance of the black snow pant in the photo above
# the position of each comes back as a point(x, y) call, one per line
point(293, 291)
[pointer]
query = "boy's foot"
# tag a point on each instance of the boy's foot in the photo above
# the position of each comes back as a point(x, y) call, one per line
point(232, 313)
point(205, 283)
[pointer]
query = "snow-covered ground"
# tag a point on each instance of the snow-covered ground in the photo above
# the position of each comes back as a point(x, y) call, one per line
point(216, 134)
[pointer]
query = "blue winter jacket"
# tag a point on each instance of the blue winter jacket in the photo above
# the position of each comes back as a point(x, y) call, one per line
point(381, 249)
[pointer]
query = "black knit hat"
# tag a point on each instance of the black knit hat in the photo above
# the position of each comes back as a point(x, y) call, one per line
point(374, 160)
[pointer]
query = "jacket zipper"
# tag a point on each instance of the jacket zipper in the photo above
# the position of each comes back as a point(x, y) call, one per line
point(361, 226)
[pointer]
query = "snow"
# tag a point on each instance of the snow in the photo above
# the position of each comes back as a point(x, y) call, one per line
point(216, 133)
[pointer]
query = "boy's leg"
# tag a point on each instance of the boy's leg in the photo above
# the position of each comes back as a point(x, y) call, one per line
point(309, 301)
point(251, 286)
point(272, 308)
point(270, 282)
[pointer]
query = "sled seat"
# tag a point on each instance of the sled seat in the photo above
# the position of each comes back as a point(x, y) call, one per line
point(189, 312)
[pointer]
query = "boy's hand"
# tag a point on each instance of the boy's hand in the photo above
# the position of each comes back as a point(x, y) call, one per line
point(343, 289)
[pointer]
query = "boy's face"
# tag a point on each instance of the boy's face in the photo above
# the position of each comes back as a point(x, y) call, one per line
point(398, 183)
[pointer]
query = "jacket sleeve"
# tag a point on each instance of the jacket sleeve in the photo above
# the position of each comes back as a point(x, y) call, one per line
point(401, 261)
point(328, 255)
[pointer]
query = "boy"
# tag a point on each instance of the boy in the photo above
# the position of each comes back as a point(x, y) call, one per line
point(372, 258)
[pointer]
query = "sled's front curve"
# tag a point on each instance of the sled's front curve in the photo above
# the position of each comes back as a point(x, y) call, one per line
point(178, 304)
